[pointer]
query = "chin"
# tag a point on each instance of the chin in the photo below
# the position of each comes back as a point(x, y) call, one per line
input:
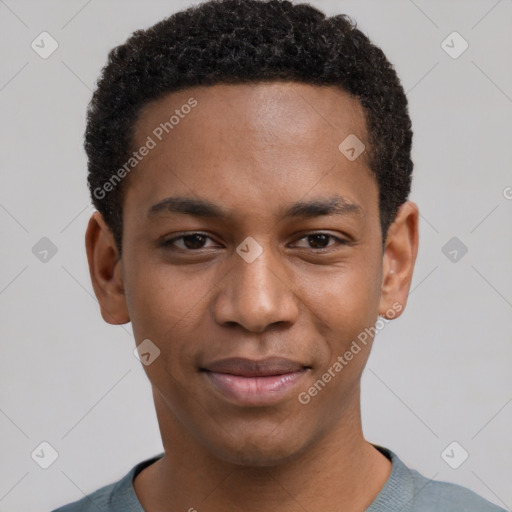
point(263, 450)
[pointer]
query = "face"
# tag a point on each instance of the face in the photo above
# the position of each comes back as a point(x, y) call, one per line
point(252, 259)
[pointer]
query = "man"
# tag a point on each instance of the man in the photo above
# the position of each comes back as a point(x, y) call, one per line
point(250, 164)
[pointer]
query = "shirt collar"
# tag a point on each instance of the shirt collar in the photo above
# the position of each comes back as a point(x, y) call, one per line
point(397, 495)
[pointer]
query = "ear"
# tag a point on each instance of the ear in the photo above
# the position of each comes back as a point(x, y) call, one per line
point(400, 250)
point(106, 271)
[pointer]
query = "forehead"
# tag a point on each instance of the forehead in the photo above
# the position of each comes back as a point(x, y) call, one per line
point(268, 141)
point(270, 112)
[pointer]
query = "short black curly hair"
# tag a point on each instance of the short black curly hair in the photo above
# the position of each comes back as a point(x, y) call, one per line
point(247, 41)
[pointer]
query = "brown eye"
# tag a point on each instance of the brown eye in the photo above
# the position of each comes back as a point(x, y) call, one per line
point(191, 242)
point(320, 241)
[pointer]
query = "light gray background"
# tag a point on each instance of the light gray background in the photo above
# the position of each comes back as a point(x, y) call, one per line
point(439, 373)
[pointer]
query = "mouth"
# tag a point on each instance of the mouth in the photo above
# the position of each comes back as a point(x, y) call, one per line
point(252, 383)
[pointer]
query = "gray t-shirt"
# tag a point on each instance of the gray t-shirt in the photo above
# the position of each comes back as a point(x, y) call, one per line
point(405, 490)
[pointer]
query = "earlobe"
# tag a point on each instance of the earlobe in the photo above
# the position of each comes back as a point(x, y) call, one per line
point(400, 253)
point(105, 270)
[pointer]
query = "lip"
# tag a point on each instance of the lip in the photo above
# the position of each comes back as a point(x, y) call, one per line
point(251, 382)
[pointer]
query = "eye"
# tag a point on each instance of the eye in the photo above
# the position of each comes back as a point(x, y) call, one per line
point(190, 242)
point(194, 242)
point(319, 241)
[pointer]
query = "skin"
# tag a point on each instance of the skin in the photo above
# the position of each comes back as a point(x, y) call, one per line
point(254, 150)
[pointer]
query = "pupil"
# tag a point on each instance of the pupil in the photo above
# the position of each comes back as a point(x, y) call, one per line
point(322, 237)
point(197, 241)
point(193, 245)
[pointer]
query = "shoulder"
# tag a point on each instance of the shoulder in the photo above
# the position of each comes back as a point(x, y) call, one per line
point(116, 497)
point(97, 501)
point(409, 491)
point(437, 496)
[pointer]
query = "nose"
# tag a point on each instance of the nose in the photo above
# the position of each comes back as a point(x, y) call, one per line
point(256, 295)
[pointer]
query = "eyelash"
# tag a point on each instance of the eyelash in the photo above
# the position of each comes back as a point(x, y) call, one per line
point(168, 244)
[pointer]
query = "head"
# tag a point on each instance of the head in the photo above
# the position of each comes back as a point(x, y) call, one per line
point(250, 164)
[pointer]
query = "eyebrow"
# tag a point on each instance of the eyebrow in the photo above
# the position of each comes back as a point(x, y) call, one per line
point(335, 205)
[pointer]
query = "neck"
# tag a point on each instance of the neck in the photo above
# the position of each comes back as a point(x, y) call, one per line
point(340, 471)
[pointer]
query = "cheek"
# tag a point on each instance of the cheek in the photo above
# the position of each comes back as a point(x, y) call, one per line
point(347, 310)
point(346, 313)
point(162, 301)
point(162, 312)
point(346, 298)
point(168, 307)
